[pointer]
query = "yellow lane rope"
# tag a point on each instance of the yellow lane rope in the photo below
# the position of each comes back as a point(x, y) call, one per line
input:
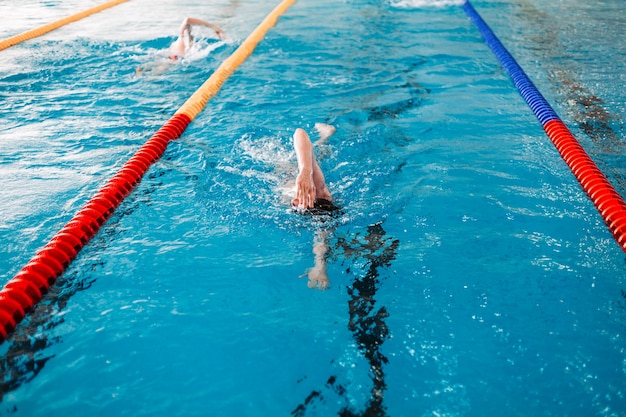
point(33, 33)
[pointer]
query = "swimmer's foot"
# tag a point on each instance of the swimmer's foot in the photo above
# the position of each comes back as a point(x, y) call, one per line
point(325, 131)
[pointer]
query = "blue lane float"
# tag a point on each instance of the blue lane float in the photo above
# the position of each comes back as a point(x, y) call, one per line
point(605, 198)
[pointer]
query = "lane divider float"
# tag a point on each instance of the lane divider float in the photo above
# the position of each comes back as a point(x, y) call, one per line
point(29, 285)
point(605, 198)
point(42, 30)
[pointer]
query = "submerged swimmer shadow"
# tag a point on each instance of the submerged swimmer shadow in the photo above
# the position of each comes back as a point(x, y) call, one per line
point(385, 107)
point(395, 109)
point(366, 322)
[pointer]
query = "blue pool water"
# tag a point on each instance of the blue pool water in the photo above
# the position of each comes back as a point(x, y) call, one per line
point(470, 275)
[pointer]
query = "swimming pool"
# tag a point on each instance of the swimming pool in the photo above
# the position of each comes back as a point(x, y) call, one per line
point(469, 273)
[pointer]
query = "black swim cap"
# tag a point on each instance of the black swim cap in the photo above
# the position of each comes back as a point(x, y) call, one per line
point(321, 207)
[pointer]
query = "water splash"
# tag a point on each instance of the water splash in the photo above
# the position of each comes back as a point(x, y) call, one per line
point(421, 4)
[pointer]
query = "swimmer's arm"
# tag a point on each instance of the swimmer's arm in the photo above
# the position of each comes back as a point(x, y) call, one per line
point(318, 275)
point(193, 21)
point(185, 26)
point(305, 186)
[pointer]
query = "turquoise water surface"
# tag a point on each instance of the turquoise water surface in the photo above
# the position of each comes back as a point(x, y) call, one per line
point(469, 273)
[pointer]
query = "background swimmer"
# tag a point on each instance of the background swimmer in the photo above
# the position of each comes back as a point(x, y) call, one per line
point(181, 46)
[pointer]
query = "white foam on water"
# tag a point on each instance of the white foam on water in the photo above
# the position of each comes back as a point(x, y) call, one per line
point(422, 4)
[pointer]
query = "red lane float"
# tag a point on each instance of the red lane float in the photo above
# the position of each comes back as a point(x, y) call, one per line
point(604, 197)
point(29, 285)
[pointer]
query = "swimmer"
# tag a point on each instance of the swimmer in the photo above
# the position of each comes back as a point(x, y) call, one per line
point(181, 46)
point(313, 197)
